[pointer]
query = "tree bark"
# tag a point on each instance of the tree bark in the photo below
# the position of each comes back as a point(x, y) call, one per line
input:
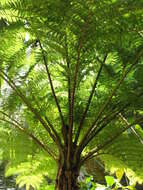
point(67, 179)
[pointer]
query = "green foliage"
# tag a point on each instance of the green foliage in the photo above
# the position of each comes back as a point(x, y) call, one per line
point(50, 57)
point(112, 183)
point(33, 172)
point(14, 145)
point(129, 149)
point(109, 180)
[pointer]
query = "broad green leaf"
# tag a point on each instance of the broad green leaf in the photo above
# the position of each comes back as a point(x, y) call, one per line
point(109, 180)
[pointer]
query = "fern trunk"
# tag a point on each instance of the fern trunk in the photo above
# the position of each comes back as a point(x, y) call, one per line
point(67, 179)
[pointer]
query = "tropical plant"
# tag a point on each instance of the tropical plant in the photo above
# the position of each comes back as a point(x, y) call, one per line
point(111, 183)
point(71, 81)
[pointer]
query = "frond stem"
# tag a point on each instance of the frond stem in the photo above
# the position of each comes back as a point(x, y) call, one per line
point(107, 102)
point(33, 110)
point(19, 127)
point(108, 142)
point(89, 100)
point(51, 84)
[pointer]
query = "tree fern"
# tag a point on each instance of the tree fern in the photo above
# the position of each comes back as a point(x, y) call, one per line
point(75, 84)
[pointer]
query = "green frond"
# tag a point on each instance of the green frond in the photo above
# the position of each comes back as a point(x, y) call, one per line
point(50, 58)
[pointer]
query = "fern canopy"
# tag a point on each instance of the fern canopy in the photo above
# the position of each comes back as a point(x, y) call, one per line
point(71, 86)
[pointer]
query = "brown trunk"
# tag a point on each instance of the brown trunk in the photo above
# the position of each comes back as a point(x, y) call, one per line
point(67, 180)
